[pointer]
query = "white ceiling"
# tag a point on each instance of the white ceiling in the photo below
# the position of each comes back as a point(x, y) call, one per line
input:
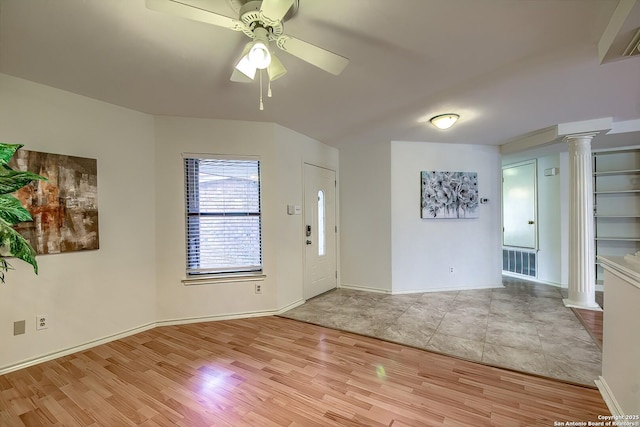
point(508, 67)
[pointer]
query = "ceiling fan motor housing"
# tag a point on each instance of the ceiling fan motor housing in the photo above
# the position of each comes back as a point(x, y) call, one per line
point(249, 14)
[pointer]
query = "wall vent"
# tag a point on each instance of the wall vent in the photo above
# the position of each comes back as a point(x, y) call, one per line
point(519, 261)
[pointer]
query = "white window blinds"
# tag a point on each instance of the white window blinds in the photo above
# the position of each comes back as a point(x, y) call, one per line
point(222, 216)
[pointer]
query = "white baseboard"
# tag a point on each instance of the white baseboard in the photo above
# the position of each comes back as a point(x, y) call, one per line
point(198, 319)
point(520, 276)
point(291, 306)
point(609, 398)
point(447, 289)
point(142, 328)
point(544, 282)
point(74, 349)
point(364, 288)
point(530, 278)
point(240, 315)
point(418, 291)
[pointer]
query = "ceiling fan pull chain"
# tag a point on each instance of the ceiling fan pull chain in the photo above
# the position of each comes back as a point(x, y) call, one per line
point(269, 88)
point(261, 103)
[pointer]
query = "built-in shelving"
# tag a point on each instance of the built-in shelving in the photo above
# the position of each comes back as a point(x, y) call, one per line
point(616, 191)
point(620, 172)
point(622, 239)
point(616, 199)
point(617, 216)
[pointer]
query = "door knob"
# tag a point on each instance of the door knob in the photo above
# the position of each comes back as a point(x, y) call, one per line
point(530, 222)
point(308, 242)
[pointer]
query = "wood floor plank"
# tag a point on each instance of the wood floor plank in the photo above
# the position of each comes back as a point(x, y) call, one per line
point(593, 322)
point(273, 371)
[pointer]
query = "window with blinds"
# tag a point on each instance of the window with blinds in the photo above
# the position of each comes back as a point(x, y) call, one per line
point(222, 216)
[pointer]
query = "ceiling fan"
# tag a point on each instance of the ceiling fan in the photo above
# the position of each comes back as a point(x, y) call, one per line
point(262, 21)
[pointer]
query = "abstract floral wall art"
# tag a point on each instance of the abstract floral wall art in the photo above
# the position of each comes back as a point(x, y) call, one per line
point(449, 194)
point(65, 207)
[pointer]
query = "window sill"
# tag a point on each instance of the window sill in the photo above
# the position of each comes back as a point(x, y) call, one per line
point(218, 279)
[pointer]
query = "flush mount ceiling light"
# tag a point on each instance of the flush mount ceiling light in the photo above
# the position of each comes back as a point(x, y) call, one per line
point(444, 121)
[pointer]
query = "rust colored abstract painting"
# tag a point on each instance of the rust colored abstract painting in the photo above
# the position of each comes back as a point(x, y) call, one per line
point(65, 207)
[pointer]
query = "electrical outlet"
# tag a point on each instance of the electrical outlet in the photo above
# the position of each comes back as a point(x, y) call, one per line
point(450, 270)
point(42, 322)
point(258, 288)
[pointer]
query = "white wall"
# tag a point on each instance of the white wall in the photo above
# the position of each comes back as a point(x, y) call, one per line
point(423, 250)
point(282, 153)
point(292, 151)
point(134, 279)
point(365, 216)
point(564, 219)
point(621, 344)
point(549, 260)
point(91, 294)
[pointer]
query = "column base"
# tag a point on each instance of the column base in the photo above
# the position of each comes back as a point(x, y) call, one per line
point(575, 304)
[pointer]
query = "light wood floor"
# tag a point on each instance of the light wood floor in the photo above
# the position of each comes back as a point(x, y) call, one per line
point(275, 371)
point(593, 321)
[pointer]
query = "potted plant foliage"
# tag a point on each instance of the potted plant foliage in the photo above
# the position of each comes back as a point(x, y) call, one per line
point(12, 244)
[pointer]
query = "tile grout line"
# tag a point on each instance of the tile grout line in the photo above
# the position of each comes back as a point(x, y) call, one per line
point(486, 331)
point(435, 331)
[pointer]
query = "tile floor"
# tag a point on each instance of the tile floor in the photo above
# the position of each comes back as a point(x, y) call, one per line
point(523, 326)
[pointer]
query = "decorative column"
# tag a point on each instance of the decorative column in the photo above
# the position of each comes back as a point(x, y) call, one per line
point(582, 281)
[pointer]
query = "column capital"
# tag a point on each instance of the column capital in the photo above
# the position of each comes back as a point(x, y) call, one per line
point(580, 136)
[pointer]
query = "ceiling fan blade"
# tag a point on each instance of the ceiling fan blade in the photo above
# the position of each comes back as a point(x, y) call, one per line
point(314, 55)
point(274, 10)
point(191, 12)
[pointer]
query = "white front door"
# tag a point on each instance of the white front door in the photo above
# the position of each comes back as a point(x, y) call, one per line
point(320, 273)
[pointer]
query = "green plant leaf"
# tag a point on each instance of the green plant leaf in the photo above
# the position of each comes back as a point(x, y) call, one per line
point(7, 151)
point(5, 169)
point(14, 180)
point(12, 211)
point(13, 244)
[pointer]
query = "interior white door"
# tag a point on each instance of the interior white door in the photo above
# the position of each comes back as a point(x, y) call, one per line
point(320, 273)
point(519, 220)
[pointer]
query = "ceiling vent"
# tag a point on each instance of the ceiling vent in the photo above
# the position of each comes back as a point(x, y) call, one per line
point(634, 47)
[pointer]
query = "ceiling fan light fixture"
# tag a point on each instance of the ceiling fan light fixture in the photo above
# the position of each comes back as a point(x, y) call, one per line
point(244, 65)
point(259, 55)
point(444, 121)
point(275, 70)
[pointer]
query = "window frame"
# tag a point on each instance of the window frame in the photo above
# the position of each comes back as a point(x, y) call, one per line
point(218, 274)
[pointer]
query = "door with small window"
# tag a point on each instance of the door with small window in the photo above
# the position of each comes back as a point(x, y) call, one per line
point(319, 231)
